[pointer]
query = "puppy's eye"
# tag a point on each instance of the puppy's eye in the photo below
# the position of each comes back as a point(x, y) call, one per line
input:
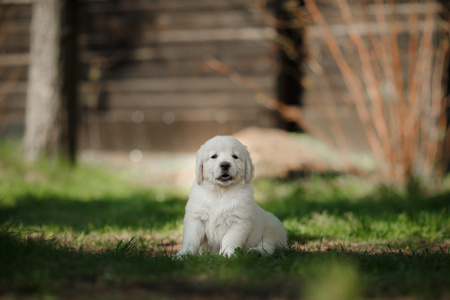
point(234, 156)
point(214, 156)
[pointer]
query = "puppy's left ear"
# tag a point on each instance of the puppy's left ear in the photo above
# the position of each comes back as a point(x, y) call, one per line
point(249, 169)
point(199, 169)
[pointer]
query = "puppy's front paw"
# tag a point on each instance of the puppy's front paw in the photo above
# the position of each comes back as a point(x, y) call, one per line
point(179, 256)
point(231, 252)
point(255, 251)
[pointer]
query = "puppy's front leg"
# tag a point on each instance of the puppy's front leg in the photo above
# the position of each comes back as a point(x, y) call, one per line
point(234, 238)
point(193, 235)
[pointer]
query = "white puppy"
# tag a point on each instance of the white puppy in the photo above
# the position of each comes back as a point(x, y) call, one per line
point(221, 214)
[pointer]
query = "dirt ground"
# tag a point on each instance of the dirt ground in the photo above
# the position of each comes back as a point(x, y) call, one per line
point(275, 153)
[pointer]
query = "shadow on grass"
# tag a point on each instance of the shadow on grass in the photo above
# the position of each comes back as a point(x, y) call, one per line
point(140, 210)
point(32, 265)
point(42, 266)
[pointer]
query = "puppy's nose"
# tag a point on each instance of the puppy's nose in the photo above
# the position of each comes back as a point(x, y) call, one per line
point(225, 165)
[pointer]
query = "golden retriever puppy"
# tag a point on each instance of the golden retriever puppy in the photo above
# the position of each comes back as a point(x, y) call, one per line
point(221, 213)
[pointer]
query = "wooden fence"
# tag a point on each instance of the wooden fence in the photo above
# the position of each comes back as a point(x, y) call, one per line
point(144, 84)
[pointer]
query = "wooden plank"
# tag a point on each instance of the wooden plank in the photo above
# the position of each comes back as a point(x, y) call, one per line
point(13, 44)
point(11, 75)
point(181, 36)
point(214, 19)
point(20, 87)
point(13, 102)
point(175, 114)
point(157, 136)
point(172, 54)
point(181, 100)
point(158, 6)
point(137, 101)
point(181, 51)
point(16, 2)
point(15, 26)
point(22, 10)
point(145, 101)
point(247, 66)
point(179, 84)
point(142, 20)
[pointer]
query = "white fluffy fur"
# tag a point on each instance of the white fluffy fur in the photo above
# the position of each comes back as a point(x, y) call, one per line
point(221, 214)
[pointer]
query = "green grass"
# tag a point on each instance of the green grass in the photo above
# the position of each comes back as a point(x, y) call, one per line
point(91, 232)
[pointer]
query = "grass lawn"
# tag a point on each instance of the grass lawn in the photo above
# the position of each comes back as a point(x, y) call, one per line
point(90, 232)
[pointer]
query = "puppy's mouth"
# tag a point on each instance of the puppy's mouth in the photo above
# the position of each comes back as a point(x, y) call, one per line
point(224, 177)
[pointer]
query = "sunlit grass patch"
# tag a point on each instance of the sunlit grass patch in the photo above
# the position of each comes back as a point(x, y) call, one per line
point(333, 209)
point(62, 228)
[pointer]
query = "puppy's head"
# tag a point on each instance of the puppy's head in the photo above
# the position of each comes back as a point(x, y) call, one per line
point(223, 160)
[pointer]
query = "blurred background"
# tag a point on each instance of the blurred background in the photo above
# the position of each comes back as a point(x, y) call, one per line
point(364, 82)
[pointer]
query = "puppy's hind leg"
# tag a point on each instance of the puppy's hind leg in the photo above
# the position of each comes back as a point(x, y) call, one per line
point(274, 237)
point(264, 248)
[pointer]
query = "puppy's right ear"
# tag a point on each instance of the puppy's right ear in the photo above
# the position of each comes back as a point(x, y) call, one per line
point(199, 169)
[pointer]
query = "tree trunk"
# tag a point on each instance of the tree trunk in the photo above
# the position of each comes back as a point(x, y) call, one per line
point(49, 94)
